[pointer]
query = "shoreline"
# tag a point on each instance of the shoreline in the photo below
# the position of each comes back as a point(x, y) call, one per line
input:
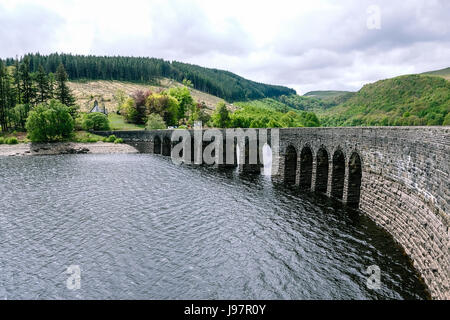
point(58, 148)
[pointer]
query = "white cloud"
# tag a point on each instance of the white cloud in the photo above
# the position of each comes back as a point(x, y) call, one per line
point(308, 45)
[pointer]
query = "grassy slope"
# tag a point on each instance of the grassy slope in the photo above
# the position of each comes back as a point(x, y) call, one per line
point(117, 122)
point(104, 91)
point(326, 94)
point(443, 73)
point(404, 100)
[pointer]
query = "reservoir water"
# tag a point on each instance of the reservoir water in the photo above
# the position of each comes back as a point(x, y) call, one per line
point(139, 227)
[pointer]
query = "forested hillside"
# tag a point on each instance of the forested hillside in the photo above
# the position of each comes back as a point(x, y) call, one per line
point(326, 94)
point(223, 84)
point(406, 100)
point(444, 73)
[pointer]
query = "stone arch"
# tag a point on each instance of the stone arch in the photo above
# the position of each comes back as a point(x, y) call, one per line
point(166, 146)
point(157, 145)
point(354, 180)
point(338, 175)
point(290, 165)
point(322, 170)
point(306, 167)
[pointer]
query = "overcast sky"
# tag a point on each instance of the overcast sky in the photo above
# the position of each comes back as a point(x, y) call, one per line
point(306, 45)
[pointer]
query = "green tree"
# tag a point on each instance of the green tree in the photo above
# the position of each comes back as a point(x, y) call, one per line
point(95, 121)
point(63, 93)
point(164, 105)
point(27, 82)
point(3, 97)
point(198, 113)
point(185, 100)
point(18, 116)
point(188, 83)
point(42, 85)
point(155, 122)
point(50, 122)
point(221, 116)
point(128, 110)
point(51, 85)
point(17, 86)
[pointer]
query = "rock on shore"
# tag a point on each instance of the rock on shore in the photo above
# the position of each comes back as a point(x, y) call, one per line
point(35, 149)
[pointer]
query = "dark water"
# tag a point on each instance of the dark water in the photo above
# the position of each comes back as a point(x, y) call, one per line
point(140, 227)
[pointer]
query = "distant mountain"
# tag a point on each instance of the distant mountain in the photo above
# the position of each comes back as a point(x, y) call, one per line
point(326, 94)
point(444, 73)
point(330, 97)
point(223, 84)
point(405, 100)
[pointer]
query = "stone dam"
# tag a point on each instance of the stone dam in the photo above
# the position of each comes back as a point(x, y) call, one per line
point(398, 176)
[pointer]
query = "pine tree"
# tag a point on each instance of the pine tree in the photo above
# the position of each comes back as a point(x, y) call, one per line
point(3, 97)
point(16, 76)
point(63, 93)
point(27, 82)
point(42, 85)
point(51, 85)
point(221, 116)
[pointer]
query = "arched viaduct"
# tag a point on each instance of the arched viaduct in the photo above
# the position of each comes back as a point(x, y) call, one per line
point(398, 176)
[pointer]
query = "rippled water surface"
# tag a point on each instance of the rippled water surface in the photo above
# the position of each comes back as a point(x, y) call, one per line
point(141, 227)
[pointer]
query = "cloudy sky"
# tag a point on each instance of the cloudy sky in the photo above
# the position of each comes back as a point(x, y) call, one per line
point(306, 45)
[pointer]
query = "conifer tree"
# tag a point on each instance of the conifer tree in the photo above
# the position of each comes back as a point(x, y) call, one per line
point(42, 85)
point(63, 93)
point(51, 85)
point(16, 76)
point(27, 82)
point(3, 97)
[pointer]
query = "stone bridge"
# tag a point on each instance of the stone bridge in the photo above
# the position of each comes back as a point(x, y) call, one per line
point(398, 176)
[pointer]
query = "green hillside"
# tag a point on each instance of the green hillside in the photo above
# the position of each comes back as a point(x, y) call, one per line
point(270, 113)
point(444, 73)
point(325, 94)
point(291, 102)
point(405, 100)
point(223, 84)
point(332, 98)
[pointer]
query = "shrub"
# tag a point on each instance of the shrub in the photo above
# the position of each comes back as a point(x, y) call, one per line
point(2, 140)
point(111, 138)
point(11, 140)
point(95, 121)
point(119, 140)
point(155, 122)
point(50, 122)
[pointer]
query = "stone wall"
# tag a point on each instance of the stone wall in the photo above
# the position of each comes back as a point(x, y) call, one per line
point(405, 186)
point(404, 182)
